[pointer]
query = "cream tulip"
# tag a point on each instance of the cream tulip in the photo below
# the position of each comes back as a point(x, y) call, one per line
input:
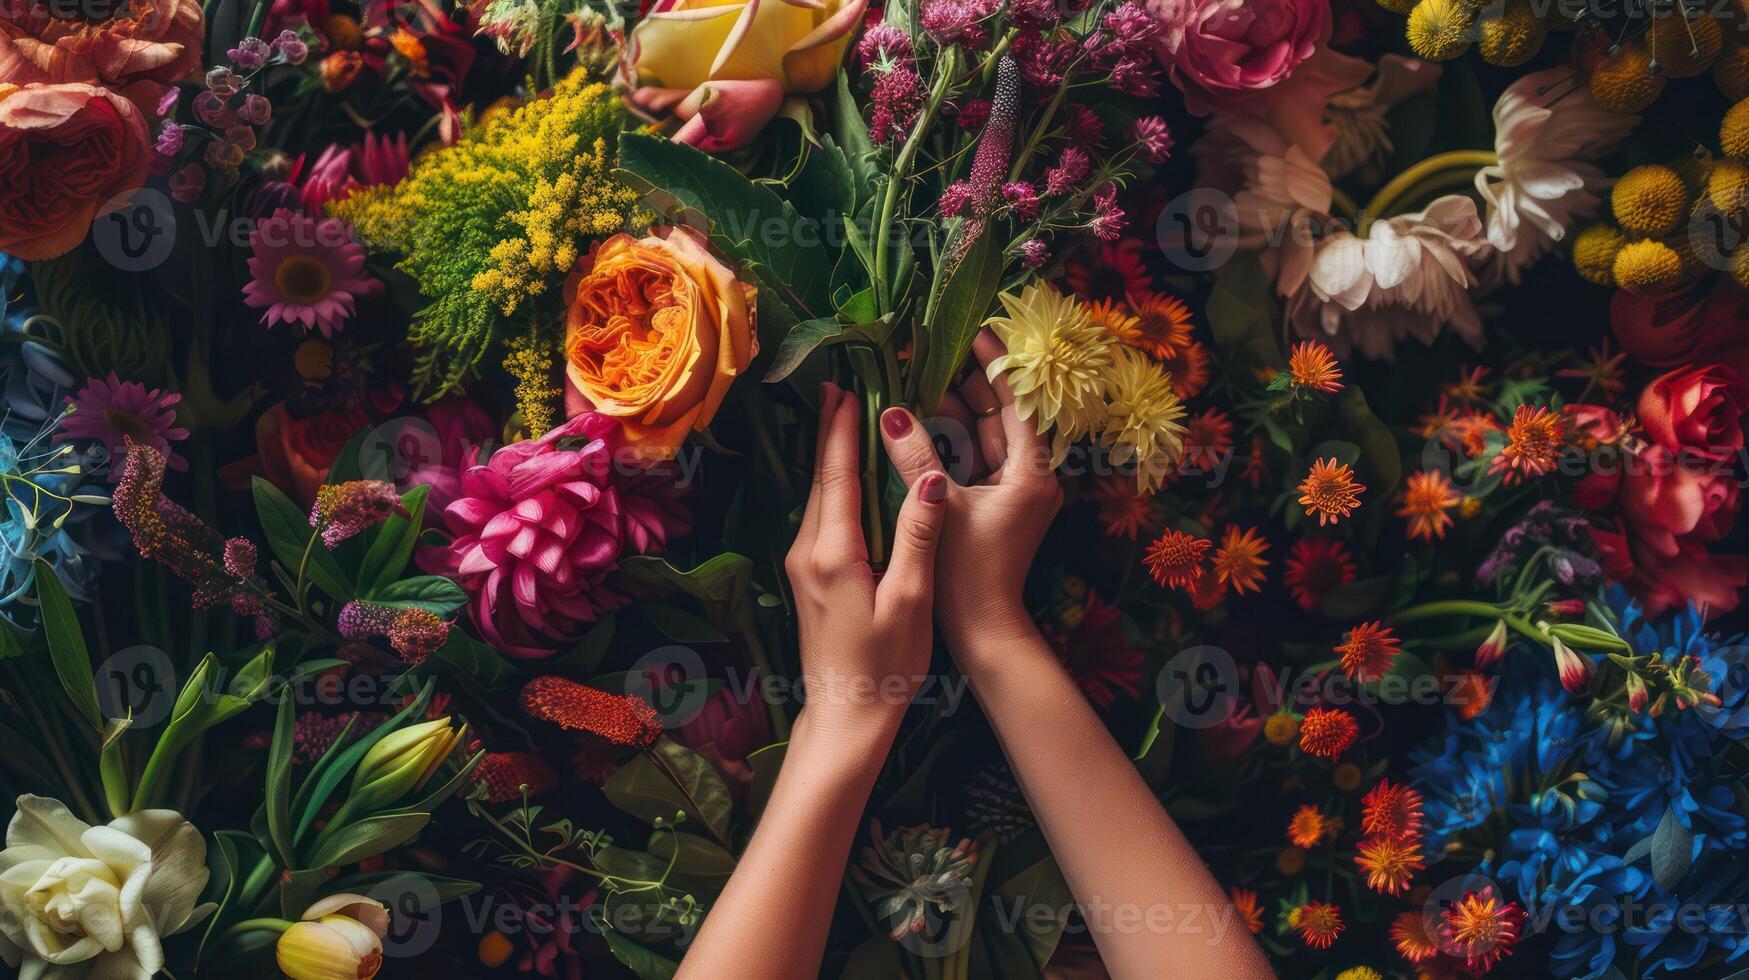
point(340, 938)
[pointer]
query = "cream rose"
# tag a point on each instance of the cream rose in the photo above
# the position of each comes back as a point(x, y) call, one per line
point(78, 900)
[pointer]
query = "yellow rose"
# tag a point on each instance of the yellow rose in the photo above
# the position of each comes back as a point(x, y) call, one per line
point(725, 66)
point(657, 329)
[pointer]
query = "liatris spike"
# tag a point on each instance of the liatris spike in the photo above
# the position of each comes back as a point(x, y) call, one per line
point(414, 633)
point(345, 509)
point(619, 718)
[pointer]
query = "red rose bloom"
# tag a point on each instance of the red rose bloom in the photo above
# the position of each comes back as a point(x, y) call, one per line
point(67, 150)
point(1696, 410)
point(1692, 574)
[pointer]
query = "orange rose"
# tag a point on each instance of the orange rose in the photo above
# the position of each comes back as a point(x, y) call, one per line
point(114, 44)
point(66, 151)
point(656, 331)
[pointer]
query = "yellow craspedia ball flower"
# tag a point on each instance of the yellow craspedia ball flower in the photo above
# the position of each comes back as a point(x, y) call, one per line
point(1281, 728)
point(1594, 251)
point(1740, 265)
point(1734, 130)
point(1514, 37)
point(1360, 973)
point(1647, 265)
point(1649, 200)
point(1626, 82)
point(1440, 30)
point(1731, 72)
point(1728, 187)
point(1397, 6)
point(1685, 49)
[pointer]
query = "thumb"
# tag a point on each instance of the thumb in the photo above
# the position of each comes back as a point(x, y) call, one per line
point(908, 446)
point(910, 578)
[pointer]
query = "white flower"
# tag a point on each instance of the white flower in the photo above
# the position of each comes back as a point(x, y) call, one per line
point(1406, 278)
point(79, 902)
point(1546, 130)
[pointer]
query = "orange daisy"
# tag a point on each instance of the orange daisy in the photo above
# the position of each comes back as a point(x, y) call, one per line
point(1123, 513)
point(1257, 465)
point(1175, 559)
point(1116, 319)
point(1306, 827)
point(1189, 367)
point(1319, 923)
point(1533, 444)
point(1207, 591)
point(1311, 367)
point(1327, 732)
point(1388, 863)
point(1330, 491)
point(1163, 324)
point(1250, 913)
point(1208, 439)
point(1368, 651)
point(1469, 389)
point(1391, 810)
point(1603, 372)
point(1315, 568)
point(1480, 929)
point(1426, 498)
point(1413, 934)
point(1240, 561)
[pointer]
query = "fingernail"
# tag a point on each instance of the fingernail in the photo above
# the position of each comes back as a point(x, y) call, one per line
point(933, 487)
point(896, 421)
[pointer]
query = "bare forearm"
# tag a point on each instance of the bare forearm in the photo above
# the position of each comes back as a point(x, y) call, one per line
point(1147, 897)
point(773, 916)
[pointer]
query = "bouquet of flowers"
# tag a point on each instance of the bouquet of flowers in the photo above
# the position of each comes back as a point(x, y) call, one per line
point(408, 411)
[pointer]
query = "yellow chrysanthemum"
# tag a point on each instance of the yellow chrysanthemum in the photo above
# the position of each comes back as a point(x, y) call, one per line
point(1594, 252)
point(1626, 82)
point(1649, 200)
point(1514, 37)
point(1734, 130)
point(1731, 73)
point(1440, 30)
point(1728, 186)
point(1647, 265)
point(1397, 6)
point(1685, 48)
point(1360, 973)
point(1058, 362)
point(1143, 421)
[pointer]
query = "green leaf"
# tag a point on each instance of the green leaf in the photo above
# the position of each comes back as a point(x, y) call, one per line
point(583, 658)
point(965, 302)
point(337, 763)
point(1241, 315)
point(803, 339)
point(681, 783)
point(851, 134)
point(466, 659)
point(288, 533)
point(67, 644)
point(367, 838)
point(722, 584)
point(391, 544)
point(112, 766)
point(645, 964)
point(429, 592)
point(1040, 885)
point(680, 626)
point(410, 902)
point(279, 773)
point(825, 188)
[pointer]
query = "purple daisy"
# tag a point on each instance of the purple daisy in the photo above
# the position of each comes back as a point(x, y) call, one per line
point(110, 409)
point(306, 271)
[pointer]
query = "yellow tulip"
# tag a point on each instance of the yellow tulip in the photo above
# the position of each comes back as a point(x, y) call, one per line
point(403, 762)
point(340, 938)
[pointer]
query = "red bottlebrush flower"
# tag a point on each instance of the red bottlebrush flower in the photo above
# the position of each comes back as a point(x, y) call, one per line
point(1533, 445)
point(1426, 498)
point(1330, 491)
point(1319, 923)
point(1389, 863)
point(619, 718)
point(1312, 367)
point(990, 163)
point(1245, 903)
point(1413, 933)
point(1480, 929)
point(1368, 651)
point(1175, 559)
point(1391, 810)
point(345, 509)
point(414, 633)
point(1239, 561)
point(503, 774)
point(1098, 656)
point(1317, 567)
point(1327, 732)
point(1306, 827)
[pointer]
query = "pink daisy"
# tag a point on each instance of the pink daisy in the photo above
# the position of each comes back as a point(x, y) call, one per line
point(109, 409)
point(306, 271)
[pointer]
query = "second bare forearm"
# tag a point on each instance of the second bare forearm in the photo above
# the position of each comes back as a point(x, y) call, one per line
point(1145, 893)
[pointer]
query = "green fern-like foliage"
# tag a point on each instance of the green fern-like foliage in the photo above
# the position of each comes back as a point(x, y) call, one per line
point(100, 326)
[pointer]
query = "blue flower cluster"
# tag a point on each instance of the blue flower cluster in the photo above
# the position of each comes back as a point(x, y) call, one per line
point(1633, 850)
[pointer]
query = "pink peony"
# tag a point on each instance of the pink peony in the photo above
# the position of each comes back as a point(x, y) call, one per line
point(541, 525)
point(1222, 53)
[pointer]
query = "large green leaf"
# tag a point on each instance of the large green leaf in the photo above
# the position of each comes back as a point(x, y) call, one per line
point(645, 964)
point(391, 544)
point(723, 584)
point(279, 773)
point(67, 645)
point(803, 339)
point(367, 838)
point(667, 781)
point(964, 303)
point(429, 592)
point(288, 533)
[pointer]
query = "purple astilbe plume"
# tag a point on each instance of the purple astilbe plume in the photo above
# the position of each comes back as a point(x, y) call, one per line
point(344, 509)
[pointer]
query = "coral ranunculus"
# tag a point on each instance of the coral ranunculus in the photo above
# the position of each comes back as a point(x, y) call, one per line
point(116, 45)
point(724, 68)
point(1222, 53)
point(67, 151)
point(658, 328)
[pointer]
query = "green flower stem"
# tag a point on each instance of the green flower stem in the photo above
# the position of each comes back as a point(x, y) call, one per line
point(1467, 607)
point(902, 171)
point(248, 925)
point(1403, 186)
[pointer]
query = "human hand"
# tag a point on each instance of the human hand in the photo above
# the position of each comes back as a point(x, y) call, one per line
point(995, 521)
point(865, 646)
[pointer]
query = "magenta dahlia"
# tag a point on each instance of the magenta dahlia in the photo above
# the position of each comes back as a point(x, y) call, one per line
point(540, 527)
point(111, 410)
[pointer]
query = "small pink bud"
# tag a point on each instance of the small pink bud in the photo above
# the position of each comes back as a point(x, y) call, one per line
point(1575, 669)
point(1493, 648)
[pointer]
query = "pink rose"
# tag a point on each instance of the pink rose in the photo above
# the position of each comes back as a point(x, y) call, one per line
point(1696, 410)
point(1666, 496)
point(1222, 53)
point(1662, 582)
